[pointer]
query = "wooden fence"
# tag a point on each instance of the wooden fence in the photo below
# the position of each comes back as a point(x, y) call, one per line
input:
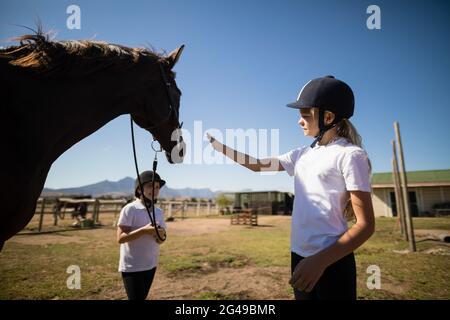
point(51, 211)
point(244, 216)
point(187, 209)
point(59, 208)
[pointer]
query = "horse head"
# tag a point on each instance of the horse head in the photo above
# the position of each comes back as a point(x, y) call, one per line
point(160, 109)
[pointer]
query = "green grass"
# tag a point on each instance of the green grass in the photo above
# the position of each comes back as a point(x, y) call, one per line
point(212, 295)
point(38, 271)
point(407, 276)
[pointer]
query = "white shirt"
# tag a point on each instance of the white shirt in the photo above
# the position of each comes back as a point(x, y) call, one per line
point(142, 253)
point(323, 175)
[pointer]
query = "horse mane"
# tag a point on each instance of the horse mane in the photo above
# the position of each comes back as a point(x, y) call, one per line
point(76, 57)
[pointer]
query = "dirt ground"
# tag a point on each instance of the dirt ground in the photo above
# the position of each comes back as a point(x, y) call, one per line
point(259, 283)
point(215, 283)
point(179, 227)
point(249, 281)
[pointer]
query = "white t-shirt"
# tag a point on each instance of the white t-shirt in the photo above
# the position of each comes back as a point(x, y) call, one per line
point(323, 175)
point(142, 253)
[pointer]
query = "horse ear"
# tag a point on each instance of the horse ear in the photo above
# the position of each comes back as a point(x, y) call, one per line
point(173, 57)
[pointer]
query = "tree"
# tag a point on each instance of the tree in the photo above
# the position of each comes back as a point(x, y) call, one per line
point(223, 201)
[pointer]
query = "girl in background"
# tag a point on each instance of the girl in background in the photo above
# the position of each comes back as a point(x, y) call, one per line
point(139, 244)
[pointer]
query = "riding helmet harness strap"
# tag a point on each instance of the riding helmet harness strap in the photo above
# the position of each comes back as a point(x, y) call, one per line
point(322, 128)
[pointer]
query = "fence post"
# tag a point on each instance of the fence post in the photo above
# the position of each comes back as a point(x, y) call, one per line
point(399, 218)
point(408, 218)
point(41, 217)
point(116, 206)
point(398, 193)
point(95, 214)
point(55, 214)
point(183, 206)
point(170, 209)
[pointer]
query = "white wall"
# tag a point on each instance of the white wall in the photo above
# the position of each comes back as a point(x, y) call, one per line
point(426, 198)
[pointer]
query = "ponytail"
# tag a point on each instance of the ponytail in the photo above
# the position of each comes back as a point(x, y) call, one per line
point(346, 130)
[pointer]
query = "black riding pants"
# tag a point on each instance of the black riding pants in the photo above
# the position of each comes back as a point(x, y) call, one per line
point(137, 284)
point(338, 282)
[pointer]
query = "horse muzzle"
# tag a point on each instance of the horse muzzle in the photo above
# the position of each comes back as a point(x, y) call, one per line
point(176, 155)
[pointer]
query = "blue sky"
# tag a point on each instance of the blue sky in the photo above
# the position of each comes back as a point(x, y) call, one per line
point(244, 60)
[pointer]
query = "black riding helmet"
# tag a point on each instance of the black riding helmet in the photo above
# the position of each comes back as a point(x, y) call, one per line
point(146, 177)
point(327, 94)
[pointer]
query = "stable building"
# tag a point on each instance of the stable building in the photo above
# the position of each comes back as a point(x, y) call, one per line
point(425, 188)
point(265, 202)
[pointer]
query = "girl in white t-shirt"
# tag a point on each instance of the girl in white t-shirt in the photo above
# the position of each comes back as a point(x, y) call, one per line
point(139, 243)
point(332, 184)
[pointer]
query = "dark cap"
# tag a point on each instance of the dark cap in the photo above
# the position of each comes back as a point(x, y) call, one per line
point(146, 177)
point(326, 93)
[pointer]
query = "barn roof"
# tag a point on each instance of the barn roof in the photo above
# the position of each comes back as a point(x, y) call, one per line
point(424, 178)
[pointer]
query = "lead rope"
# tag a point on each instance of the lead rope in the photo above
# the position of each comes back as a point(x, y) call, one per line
point(155, 164)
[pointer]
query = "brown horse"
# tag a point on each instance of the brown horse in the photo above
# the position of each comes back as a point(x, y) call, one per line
point(55, 93)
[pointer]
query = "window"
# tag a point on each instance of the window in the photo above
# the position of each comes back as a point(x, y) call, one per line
point(413, 207)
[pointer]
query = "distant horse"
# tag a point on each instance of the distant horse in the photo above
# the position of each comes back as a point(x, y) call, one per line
point(55, 93)
point(79, 209)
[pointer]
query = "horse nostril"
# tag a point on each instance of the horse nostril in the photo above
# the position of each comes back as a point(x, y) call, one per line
point(182, 152)
point(168, 157)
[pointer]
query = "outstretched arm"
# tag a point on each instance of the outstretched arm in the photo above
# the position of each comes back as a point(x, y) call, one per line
point(256, 165)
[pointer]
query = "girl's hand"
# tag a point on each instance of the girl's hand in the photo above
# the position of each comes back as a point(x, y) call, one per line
point(306, 274)
point(211, 139)
point(162, 233)
point(149, 229)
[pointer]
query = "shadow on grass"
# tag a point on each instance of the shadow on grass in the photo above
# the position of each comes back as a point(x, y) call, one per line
point(36, 233)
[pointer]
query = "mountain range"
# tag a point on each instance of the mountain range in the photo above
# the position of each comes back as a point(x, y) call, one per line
point(124, 187)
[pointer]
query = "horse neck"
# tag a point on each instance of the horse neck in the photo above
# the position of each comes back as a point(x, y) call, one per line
point(83, 107)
